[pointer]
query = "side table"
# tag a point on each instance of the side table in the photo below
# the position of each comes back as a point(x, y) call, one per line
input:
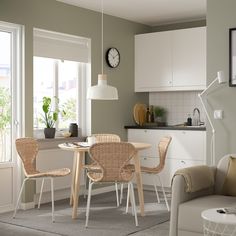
point(218, 224)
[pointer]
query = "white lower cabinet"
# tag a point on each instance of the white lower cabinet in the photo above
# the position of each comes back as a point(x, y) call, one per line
point(187, 148)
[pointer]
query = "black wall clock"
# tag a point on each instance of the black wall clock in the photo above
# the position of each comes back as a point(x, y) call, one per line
point(113, 57)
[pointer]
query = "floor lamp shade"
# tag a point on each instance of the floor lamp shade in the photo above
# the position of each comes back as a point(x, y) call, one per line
point(102, 91)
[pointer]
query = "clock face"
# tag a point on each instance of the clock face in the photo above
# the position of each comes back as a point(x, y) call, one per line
point(113, 57)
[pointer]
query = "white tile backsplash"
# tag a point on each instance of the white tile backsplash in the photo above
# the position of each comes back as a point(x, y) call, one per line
point(178, 105)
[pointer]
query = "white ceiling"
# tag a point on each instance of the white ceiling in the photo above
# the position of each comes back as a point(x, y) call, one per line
point(149, 12)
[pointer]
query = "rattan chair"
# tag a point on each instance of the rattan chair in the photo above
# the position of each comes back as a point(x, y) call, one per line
point(111, 158)
point(155, 171)
point(104, 138)
point(27, 149)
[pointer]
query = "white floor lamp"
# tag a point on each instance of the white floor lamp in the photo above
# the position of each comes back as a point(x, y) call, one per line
point(219, 79)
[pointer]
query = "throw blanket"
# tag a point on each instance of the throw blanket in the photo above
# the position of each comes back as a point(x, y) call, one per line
point(196, 178)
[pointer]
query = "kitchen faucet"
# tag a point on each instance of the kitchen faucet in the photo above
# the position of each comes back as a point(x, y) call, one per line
point(197, 120)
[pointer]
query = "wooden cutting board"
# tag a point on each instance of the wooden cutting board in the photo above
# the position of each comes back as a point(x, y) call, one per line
point(139, 113)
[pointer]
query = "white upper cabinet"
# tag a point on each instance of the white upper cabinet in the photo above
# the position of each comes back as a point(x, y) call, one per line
point(189, 58)
point(153, 61)
point(171, 60)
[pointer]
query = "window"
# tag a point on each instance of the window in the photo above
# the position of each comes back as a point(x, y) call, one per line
point(10, 84)
point(61, 69)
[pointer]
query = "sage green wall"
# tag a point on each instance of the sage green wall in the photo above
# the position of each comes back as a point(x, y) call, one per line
point(181, 25)
point(107, 116)
point(220, 17)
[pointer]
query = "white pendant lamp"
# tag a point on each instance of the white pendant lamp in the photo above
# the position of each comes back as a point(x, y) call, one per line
point(102, 91)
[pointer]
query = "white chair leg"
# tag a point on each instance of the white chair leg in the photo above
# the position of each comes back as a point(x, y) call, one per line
point(163, 190)
point(52, 194)
point(130, 197)
point(88, 202)
point(41, 191)
point(117, 195)
point(127, 200)
point(133, 203)
point(121, 192)
point(85, 190)
point(19, 197)
point(155, 186)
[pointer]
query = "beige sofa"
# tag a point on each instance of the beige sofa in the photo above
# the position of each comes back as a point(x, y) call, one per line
point(186, 207)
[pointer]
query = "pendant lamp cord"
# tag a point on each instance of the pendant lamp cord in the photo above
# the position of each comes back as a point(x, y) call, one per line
point(102, 37)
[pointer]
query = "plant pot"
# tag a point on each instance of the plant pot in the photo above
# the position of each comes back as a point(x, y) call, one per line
point(73, 129)
point(49, 132)
point(160, 121)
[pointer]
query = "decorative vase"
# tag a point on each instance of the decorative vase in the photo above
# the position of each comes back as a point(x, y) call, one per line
point(49, 132)
point(73, 129)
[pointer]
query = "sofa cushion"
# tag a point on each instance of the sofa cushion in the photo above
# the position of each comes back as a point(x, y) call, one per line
point(230, 180)
point(189, 215)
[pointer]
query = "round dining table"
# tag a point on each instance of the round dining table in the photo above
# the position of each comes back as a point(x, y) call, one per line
point(79, 155)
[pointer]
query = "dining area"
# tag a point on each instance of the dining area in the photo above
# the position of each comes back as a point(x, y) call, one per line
point(111, 161)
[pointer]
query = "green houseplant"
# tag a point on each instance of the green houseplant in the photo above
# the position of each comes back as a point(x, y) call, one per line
point(160, 114)
point(50, 116)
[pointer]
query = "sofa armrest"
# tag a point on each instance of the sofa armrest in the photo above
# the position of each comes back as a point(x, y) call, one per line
point(179, 195)
point(197, 178)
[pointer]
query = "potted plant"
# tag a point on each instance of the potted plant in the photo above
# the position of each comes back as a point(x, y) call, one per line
point(160, 114)
point(50, 116)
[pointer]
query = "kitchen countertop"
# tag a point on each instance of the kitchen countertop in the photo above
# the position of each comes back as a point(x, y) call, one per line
point(169, 127)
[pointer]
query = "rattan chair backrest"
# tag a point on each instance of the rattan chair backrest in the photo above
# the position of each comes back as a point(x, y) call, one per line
point(100, 138)
point(27, 149)
point(162, 149)
point(112, 157)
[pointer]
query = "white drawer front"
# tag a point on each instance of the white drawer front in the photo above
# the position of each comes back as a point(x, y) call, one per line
point(186, 144)
point(146, 136)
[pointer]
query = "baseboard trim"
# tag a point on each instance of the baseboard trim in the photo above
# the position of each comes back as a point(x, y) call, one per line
point(27, 205)
point(58, 195)
point(6, 208)
point(103, 190)
point(65, 194)
point(151, 188)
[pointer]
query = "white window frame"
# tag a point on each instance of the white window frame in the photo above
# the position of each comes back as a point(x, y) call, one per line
point(84, 105)
point(18, 96)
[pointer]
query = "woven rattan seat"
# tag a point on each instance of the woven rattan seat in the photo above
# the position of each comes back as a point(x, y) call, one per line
point(27, 149)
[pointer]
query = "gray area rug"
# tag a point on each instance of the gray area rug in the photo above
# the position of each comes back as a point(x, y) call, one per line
point(105, 218)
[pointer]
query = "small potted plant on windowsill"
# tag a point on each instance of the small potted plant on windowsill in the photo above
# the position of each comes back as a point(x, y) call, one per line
point(50, 116)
